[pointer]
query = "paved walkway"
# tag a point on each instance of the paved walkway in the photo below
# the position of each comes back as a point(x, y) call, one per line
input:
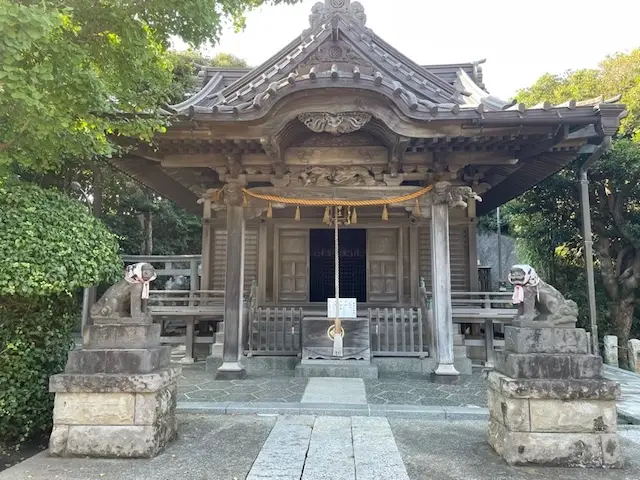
point(198, 385)
point(629, 403)
point(310, 448)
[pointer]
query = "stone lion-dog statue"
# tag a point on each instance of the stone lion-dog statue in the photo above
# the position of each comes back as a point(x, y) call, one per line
point(539, 304)
point(124, 299)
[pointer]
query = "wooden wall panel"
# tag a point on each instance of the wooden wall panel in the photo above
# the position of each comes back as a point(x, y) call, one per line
point(459, 256)
point(219, 261)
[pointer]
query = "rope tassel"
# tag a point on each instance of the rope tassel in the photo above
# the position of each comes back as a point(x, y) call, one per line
point(269, 211)
point(327, 216)
point(297, 217)
point(337, 336)
point(354, 216)
point(416, 209)
point(385, 214)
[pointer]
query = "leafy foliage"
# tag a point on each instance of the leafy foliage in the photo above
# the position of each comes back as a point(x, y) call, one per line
point(617, 74)
point(35, 336)
point(75, 75)
point(51, 244)
point(547, 220)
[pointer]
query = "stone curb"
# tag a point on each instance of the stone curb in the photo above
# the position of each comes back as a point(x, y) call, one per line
point(334, 409)
point(628, 417)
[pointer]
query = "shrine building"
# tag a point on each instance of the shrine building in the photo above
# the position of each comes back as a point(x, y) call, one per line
point(339, 123)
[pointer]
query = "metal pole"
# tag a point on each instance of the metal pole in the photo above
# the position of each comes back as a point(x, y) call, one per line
point(588, 237)
point(499, 245)
point(87, 293)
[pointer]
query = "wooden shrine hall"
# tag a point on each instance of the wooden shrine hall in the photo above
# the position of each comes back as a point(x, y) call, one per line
point(407, 154)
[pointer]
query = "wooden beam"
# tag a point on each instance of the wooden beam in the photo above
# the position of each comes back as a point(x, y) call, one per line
point(150, 174)
point(396, 154)
point(557, 138)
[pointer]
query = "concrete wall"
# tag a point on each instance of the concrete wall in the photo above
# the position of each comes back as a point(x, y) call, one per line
point(488, 254)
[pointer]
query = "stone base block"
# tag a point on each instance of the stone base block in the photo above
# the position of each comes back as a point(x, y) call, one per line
point(543, 365)
point(337, 368)
point(559, 389)
point(535, 421)
point(132, 361)
point(599, 450)
point(98, 320)
point(546, 340)
point(121, 336)
point(127, 416)
point(444, 379)
point(231, 371)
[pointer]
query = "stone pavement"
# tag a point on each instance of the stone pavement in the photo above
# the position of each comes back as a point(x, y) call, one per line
point(629, 403)
point(319, 448)
point(198, 385)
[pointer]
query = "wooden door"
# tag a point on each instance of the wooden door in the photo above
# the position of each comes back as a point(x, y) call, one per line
point(382, 256)
point(292, 260)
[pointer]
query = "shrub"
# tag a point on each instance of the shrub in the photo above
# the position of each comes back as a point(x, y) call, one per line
point(50, 246)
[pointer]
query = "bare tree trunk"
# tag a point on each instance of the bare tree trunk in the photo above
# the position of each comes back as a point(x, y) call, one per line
point(622, 317)
point(146, 224)
point(98, 190)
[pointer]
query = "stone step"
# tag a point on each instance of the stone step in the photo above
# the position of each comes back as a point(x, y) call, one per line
point(335, 390)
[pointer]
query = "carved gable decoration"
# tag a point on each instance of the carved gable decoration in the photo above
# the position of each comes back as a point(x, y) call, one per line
point(322, 13)
point(334, 123)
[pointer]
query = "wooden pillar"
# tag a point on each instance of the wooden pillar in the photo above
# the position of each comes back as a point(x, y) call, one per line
point(441, 287)
point(234, 281)
point(473, 245)
point(207, 242)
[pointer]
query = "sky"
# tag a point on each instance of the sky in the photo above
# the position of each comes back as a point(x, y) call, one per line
point(520, 40)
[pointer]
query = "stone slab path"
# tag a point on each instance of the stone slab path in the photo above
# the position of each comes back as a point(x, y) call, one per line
point(323, 448)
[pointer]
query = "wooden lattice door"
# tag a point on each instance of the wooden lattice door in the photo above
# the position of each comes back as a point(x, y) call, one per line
point(293, 265)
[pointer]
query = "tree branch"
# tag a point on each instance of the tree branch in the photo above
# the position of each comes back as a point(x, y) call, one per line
point(618, 215)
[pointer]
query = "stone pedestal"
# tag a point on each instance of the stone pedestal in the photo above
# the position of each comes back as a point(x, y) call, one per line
point(548, 402)
point(117, 397)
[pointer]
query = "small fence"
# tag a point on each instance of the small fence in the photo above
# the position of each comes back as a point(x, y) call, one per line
point(394, 331)
point(397, 332)
point(275, 331)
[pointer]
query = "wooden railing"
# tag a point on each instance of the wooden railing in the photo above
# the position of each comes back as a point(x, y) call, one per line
point(274, 331)
point(397, 332)
point(475, 308)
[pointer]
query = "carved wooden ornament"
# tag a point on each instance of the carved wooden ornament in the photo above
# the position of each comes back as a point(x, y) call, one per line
point(337, 123)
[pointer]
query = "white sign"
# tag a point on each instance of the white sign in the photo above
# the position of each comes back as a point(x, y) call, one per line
point(348, 308)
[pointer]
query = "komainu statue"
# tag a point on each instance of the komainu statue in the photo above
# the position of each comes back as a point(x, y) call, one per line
point(539, 304)
point(124, 299)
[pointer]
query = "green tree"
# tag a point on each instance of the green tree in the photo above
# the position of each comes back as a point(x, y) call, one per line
point(546, 218)
point(50, 247)
point(75, 75)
